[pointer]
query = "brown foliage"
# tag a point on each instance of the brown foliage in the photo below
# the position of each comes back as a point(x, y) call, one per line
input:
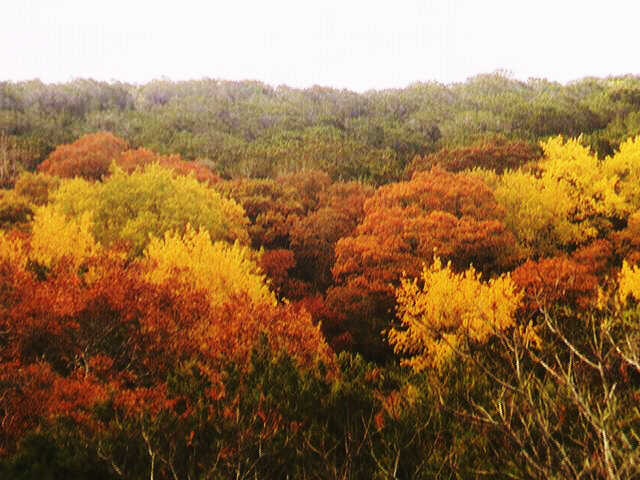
point(310, 186)
point(496, 154)
point(36, 187)
point(271, 207)
point(14, 157)
point(626, 242)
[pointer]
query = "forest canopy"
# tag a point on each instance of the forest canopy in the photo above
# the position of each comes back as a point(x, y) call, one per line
point(214, 279)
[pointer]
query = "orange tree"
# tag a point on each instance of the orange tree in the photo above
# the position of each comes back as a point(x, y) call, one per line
point(91, 155)
point(88, 157)
point(405, 224)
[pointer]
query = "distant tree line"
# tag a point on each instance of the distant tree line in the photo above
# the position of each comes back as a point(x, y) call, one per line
point(251, 129)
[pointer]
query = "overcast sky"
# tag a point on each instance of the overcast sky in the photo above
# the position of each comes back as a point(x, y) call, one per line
point(351, 44)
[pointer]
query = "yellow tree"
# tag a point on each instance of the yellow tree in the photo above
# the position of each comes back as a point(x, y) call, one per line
point(220, 269)
point(625, 166)
point(442, 309)
point(570, 200)
point(128, 208)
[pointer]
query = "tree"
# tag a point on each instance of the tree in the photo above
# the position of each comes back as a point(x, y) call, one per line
point(88, 157)
point(554, 281)
point(445, 310)
point(220, 269)
point(150, 365)
point(314, 236)
point(129, 207)
point(496, 154)
point(130, 160)
point(405, 225)
point(571, 200)
point(270, 206)
point(624, 166)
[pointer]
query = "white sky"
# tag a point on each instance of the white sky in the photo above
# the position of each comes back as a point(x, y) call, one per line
point(341, 43)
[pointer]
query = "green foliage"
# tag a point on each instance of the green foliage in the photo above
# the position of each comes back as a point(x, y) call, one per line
point(251, 128)
point(47, 456)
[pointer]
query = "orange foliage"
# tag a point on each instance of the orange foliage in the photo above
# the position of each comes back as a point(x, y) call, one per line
point(72, 340)
point(238, 327)
point(91, 155)
point(458, 194)
point(131, 160)
point(405, 225)
point(557, 280)
point(88, 157)
point(313, 237)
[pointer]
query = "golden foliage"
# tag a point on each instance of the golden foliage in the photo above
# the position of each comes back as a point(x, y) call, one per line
point(222, 270)
point(583, 179)
point(13, 250)
point(571, 200)
point(629, 283)
point(54, 237)
point(441, 309)
point(624, 165)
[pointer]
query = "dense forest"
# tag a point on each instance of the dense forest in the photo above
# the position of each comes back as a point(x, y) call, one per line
point(214, 279)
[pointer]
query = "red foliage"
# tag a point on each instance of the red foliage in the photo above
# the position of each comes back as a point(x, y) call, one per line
point(35, 393)
point(557, 280)
point(68, 342)
point(332, 323)
point(71, 341)
point(88, 157)
point(313, 237)
point(277, 265)
point(597, 257)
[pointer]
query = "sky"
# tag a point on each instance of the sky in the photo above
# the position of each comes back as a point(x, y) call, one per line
point(353, 44)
